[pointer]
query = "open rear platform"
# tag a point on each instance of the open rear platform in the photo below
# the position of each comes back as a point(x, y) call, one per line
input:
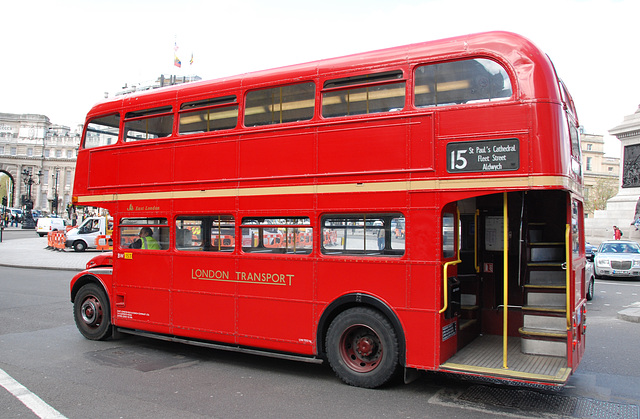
point(484, 356)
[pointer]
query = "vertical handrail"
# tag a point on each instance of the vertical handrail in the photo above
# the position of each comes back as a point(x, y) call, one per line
point(567, 251)
point(505, 297)
point(445, 273)
point(475, 241)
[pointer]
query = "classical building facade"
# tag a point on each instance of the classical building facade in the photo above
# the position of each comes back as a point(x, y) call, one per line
point(621, 209)
point(37, 155)
point(598, 170)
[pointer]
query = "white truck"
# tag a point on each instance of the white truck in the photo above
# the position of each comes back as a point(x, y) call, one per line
point(84, 236)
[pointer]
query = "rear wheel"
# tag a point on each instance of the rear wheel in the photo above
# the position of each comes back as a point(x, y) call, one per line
point(91, 312)
point(590, 289)
point(362, 348)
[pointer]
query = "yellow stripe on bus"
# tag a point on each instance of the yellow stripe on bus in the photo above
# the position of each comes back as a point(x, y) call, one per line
point(394, 186)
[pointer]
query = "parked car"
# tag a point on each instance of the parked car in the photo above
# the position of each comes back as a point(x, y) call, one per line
point(590, 278)
point(590, 250)
point(618, 259)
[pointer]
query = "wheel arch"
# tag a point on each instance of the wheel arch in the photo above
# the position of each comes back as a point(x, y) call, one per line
point(85, 279)
point(358, 300)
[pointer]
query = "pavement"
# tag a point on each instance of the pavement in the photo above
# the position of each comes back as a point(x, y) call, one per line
point(33, 253)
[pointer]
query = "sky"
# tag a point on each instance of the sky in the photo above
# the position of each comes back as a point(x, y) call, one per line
point(60, 57)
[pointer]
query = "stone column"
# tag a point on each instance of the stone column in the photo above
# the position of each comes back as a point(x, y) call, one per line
point(621, 209)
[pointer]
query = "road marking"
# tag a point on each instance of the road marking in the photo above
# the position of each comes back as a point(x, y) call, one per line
point(33, 402)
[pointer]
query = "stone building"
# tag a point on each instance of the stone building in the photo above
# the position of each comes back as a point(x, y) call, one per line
point(598, 169)
point(36, 154)
point(621, 209)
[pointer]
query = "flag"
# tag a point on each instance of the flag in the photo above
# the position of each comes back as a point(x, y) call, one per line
point(177, 62)
point(191, 60)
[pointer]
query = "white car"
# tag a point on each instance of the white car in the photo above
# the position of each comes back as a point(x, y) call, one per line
point(618, 259)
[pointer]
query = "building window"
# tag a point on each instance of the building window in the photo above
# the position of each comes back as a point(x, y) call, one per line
point(69, 154)
point(589, 146)
point(47, 152)
point(30, 152)
point(610, 169)
point(58, 153)
point(14, 151)
point(589, 163)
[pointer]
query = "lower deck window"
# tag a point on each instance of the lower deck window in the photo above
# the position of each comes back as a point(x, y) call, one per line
point(277, 235)
point(214, 233)
point(144, 233)
point(363, 234)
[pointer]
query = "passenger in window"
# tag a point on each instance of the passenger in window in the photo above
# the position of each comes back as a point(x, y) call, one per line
point(146, 240)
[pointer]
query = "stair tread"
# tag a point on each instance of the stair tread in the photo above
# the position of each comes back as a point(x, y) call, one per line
point(546, 332)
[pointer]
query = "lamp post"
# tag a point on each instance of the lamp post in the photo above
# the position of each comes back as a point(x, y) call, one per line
point(27, 222)
point(54, 203)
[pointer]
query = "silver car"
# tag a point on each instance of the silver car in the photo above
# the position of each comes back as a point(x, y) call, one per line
point(618, 258)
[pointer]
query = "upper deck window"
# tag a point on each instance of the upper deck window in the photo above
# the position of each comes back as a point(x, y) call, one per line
point(209, 115)
point(102, 131)
point(457, 82)
point(148, 124)
point(280, 104)
point(364, 94)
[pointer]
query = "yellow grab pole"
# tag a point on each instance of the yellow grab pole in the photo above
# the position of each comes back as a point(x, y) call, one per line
point(505, 297)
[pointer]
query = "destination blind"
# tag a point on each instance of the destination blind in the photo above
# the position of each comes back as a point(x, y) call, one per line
point(483, 156)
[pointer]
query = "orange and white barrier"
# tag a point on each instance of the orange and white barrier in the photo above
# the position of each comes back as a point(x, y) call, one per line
point(104, 242)
point(56, 240)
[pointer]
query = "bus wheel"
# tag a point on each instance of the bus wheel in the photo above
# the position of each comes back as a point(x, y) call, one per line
point(91, 312)
point(362, 348)
point(79, 246)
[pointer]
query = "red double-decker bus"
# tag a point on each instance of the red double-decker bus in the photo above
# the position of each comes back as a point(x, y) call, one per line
point(413, 208)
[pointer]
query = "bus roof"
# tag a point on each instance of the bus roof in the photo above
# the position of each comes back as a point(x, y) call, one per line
point(531, 66)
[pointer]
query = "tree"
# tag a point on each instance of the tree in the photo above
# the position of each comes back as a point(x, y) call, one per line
point(602, 190)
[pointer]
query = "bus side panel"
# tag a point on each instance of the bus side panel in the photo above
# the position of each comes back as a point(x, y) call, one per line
point(281, 155)
point(101, 162)
point(275, 303)
point(145, 165)
point(141, 284)
point(198, 161)
point(363, 147)
point(384, 280)
point(420, 338)
point(203, 299)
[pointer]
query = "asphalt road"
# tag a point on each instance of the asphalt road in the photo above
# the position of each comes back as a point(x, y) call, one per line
point(134, 377)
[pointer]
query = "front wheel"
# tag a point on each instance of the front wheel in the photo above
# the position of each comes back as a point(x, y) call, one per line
point(91, 312)
point(79, 246)
point(362, 347)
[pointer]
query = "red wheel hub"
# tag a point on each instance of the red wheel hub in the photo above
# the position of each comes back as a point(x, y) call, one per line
point(361, 348)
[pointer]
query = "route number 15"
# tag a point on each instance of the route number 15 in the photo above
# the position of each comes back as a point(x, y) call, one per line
point(458, 161)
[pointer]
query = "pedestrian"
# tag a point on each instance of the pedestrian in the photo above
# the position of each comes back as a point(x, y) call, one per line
point(617, 234)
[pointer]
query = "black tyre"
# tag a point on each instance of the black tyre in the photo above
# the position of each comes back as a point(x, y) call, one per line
point(590, 289)
point(79, 246)
point(362, 348)
point(92, 313)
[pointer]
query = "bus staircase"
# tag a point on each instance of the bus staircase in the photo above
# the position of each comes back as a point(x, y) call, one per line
point(539, 353)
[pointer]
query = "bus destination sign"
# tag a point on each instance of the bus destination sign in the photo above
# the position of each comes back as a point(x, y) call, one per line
point(483, 156)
